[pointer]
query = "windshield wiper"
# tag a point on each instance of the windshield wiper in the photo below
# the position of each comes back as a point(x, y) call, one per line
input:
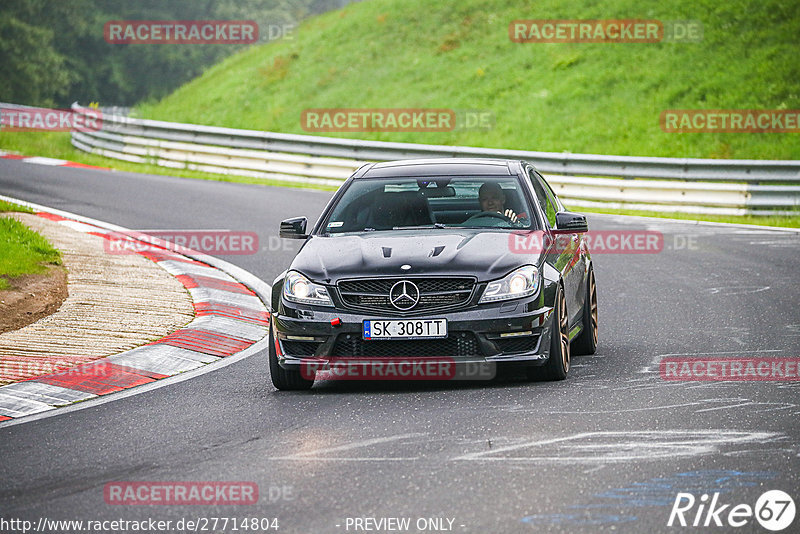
point(434, 225)
point(490, 227)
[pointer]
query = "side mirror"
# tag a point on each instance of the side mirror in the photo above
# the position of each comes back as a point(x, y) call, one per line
point(571, 222)
point(294, 228)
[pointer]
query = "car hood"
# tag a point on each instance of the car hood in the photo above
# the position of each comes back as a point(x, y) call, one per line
point(483, 253)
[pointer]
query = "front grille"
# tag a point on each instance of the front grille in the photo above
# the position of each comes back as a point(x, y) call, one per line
point(458, 344)
point(434, 293)
point(517, 344)
point(299, 348)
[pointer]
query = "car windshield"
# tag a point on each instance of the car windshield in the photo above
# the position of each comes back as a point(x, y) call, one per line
point(436, 202)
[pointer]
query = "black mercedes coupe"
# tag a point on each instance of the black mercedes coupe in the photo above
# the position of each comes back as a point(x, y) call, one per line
point(463, 261)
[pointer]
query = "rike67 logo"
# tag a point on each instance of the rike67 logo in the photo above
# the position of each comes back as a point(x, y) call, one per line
point(774, 510)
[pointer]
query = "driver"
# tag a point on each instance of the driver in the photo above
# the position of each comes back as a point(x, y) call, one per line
point(492, 198)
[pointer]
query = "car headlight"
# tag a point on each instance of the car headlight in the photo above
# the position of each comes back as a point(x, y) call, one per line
point(522, 282)
point(298, 288)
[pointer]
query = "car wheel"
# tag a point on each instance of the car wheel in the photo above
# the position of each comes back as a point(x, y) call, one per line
point(284, 379)
point(586, 342)
point(557, 365)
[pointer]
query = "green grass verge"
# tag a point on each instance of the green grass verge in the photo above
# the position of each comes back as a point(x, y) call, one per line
point(598, 98)
point(787, 221)
point(8, 206)
point(22, 251)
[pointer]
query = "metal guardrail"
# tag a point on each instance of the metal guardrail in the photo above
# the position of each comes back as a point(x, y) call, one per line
point(662, 184)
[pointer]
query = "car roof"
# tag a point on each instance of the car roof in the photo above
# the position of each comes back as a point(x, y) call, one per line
point(440, 167)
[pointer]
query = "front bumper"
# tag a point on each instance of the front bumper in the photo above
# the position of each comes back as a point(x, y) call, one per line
point(515, 332)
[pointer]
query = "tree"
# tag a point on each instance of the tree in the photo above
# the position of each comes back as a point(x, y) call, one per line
point(54, 51)
point(34, 72)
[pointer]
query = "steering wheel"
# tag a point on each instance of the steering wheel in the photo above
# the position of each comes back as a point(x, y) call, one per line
point(489, 214)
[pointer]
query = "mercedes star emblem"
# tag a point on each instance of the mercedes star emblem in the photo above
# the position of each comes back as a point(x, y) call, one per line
point(404, 295)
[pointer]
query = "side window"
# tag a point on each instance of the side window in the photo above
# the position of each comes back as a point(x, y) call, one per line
point(544, 198)
point(551, 194)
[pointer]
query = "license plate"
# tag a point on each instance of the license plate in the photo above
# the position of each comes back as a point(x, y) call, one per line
point(406, 329)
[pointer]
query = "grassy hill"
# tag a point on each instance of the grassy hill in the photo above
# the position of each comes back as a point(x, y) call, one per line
point(577, 97)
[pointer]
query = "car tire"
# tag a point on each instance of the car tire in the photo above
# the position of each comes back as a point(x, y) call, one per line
point(285, 379)
point(558, 362)
point(586, 342)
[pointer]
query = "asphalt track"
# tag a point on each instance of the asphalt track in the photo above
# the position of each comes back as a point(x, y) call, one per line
point(608, 449)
